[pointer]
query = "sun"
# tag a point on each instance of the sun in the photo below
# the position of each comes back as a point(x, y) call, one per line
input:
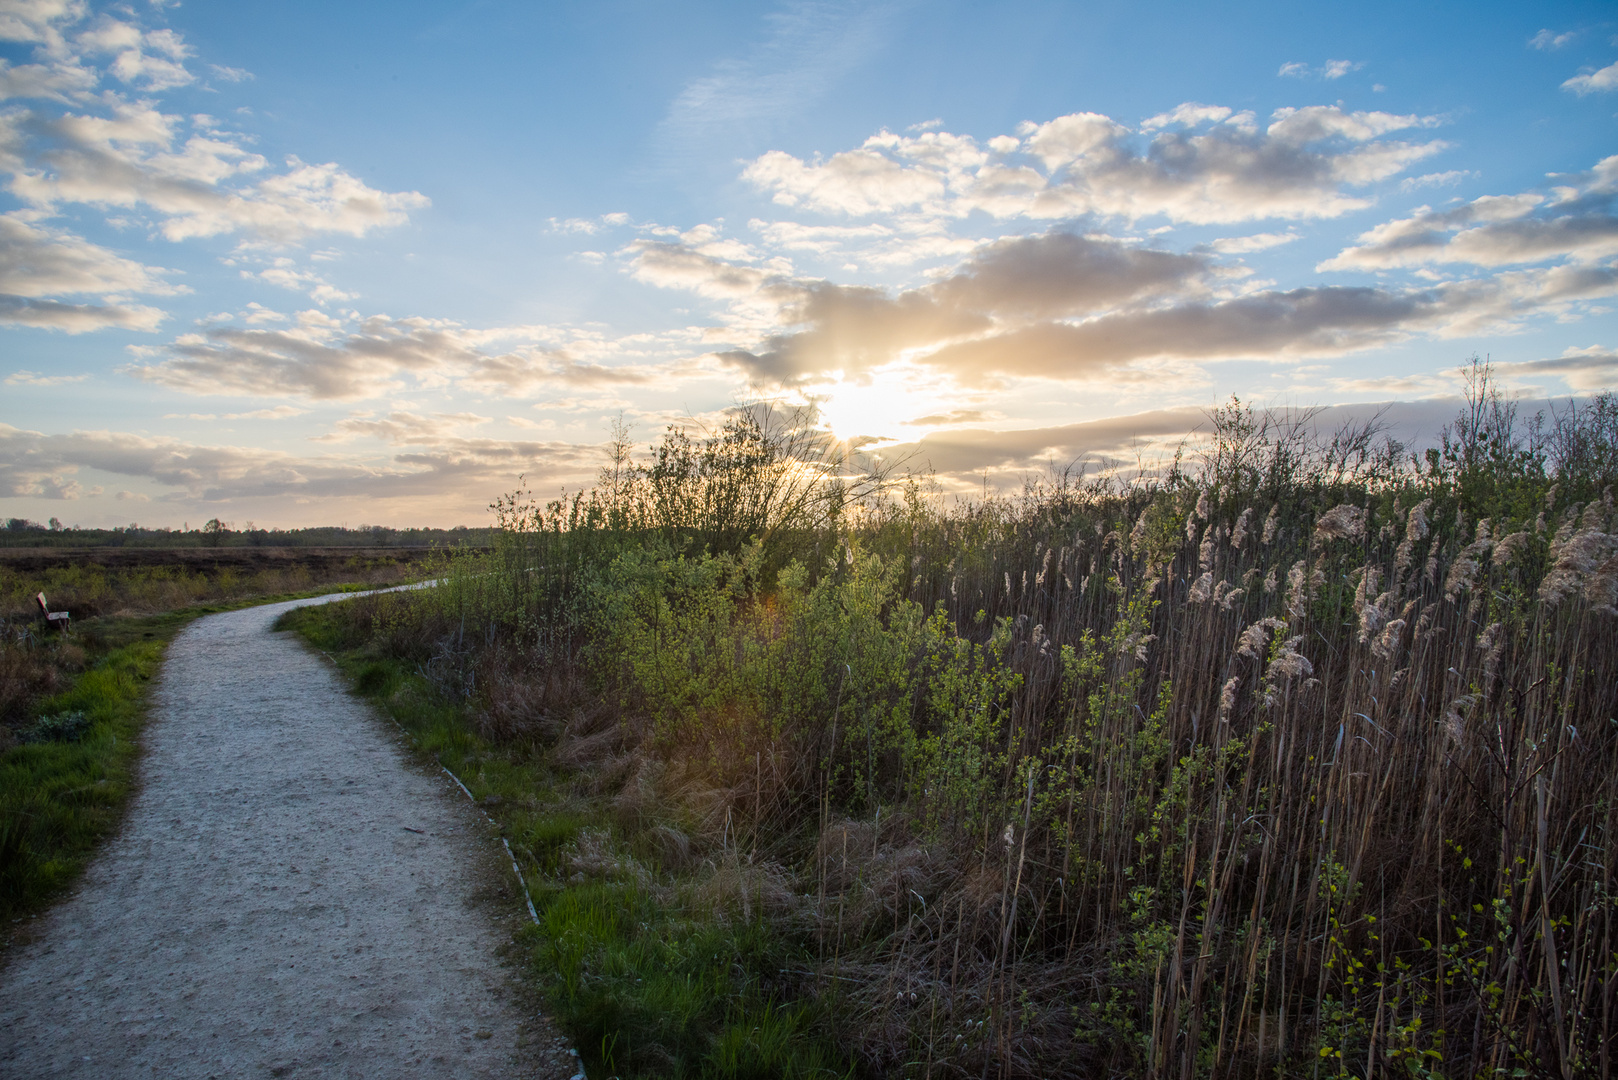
point(881, 408)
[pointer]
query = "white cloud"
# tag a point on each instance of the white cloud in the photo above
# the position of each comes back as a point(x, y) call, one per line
point(62, 81)
point(1190, 114)
point(151, 60)
point(1242, 245)
point(863, 181)
point(280, 412)
point(39, 22)
point(1197, 163)
point(902, 240)
point(326, 359)
point(673, 265)
point(78, 318)
point(34, 378)
point(1587, 370)
point(404, 428)
point(329, 294)
point(230, 74)
point(1331, 69)
point(309, 362)
point(284, 273)
point(259, 315)
point(133, 157)
point(1546, 40)
point(587, 226)
point(1605, 79)
point(820, 239)
point(37, 261)
point(1576, 220)
point(1448, 178)
point(1395, 386)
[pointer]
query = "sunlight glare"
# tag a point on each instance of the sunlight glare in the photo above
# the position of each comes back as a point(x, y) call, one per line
point(882, 408)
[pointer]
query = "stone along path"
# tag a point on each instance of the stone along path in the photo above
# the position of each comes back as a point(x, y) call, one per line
point(288, 897)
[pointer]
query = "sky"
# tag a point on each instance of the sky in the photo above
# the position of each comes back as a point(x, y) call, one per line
point(297, 263)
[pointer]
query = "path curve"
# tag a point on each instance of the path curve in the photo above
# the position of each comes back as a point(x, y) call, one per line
point(289, 896)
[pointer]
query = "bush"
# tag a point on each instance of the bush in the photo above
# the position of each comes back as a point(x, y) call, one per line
point(62, 727)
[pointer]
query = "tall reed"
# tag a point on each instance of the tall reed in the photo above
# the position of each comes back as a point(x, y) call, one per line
point(1297, 756)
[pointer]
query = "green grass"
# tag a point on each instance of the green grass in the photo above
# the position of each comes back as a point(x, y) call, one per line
point(645, 978)
point(57, 799)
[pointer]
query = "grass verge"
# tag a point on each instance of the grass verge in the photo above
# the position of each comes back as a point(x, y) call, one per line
point(649, 968)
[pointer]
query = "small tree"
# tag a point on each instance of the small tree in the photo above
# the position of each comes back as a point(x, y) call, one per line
point(1494, 458)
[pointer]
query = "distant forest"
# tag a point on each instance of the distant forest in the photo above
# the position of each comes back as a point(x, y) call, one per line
point(21, 532)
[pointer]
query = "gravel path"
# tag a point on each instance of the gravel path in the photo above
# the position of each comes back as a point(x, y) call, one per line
point(289, 896)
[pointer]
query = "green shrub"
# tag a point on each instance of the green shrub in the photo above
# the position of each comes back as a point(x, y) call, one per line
point(62, 727)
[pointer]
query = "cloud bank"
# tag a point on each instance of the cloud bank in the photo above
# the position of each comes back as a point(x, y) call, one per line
point(37, 465)
point(1074, 307)
point(1574, 220)
point(326, 358)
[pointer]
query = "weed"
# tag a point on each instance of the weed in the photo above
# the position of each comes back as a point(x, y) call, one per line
point(62, 727)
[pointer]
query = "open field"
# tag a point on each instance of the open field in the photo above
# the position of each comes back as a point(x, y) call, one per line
point(1297, 758)
point(22, 533)
point(316, 560)
point(96, 581)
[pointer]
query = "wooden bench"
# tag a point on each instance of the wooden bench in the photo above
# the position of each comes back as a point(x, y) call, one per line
point(57, 619)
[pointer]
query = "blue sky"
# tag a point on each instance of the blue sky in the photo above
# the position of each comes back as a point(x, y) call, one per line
point(307, 263)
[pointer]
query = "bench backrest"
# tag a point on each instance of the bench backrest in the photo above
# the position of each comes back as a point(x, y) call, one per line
point(44, 606)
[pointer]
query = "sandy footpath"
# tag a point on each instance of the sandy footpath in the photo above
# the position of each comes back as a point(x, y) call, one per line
point(289, 896)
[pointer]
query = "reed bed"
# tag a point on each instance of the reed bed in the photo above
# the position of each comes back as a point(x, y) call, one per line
point(1297, 757)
